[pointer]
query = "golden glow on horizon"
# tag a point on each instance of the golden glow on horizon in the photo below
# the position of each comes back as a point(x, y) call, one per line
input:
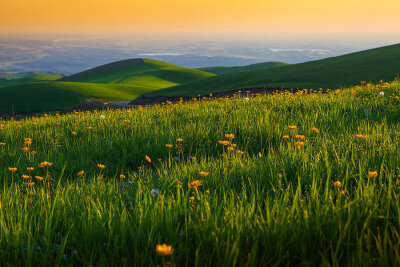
point(201, 15)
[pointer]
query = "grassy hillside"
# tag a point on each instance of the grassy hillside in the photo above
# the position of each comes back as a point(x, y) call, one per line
point(225, 70)
point(138, 71)
point(44, 96)
point(123, 80)
point(20, 75)
point(323, 192)
point(24, 78)
point(370, 65)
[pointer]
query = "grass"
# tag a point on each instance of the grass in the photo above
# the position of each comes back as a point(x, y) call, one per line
point(123, 80)
point(343, 71)
point(19, 79)
point(225, 70)
point(42, 96)
point(267, 202)
point(130, 72)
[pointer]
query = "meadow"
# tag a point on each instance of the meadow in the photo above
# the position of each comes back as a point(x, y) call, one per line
point(310, 178)
point(118, 81)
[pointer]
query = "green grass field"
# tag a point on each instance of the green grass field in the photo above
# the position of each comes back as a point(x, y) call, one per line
point(348, 70)
point(27, 78)
point(272, 196)
point(33, 75)
point(123, 80)
point(42, 96)
point(225, 70)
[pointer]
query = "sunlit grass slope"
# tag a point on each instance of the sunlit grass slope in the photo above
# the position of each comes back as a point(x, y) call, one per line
point(139, 72)
point(224, 70)
point(306, 179)
point(370, 66)
point(123, 80)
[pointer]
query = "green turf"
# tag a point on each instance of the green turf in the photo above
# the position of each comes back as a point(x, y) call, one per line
point(24, 78)
point(44, 96)
point(123, 80)
point(225, 70)
point(370, 65)
point(20, 75)
point(273, 203)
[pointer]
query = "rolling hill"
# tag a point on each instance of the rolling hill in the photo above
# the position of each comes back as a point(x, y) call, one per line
point(26, 77)
point(123, 80)
point(347, 70)
point(143, 72)
point(225, 70)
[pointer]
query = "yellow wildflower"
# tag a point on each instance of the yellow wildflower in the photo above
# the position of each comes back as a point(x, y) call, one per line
point(101, 166)
point(372, 175)
point(229, 136)
point(30, 169)
point(121, 176)
point(45, 164)
point(179, 140)
point(12, 169)
point(292, 127)
point(195, 184)
point(39, 178)
point(285, 137)
point(299, 144)
point(240, 152)
point(337, 184)
point(203, 173)
point(224, 143)
point(169, 145)
point(164, 250)
point(25, 176)
point(360, 136)
point(299, 137)
point(148, 159)
point(81, 173)
point(315, 130)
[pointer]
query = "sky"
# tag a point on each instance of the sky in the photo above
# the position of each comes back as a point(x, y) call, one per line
point(322, 17)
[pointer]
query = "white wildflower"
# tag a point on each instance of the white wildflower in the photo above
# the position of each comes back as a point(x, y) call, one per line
point(247, 99)
point(381, 93)
point(102, 117)
point(154, 192)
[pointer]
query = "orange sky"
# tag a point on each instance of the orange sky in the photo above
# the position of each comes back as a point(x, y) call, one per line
point(322, 16)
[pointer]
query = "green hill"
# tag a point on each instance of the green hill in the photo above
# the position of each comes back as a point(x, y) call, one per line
point(143, 72)
point(225, 70)
point(26, 77)
point(122, 80)
point(20, 75)
point(370, 65)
